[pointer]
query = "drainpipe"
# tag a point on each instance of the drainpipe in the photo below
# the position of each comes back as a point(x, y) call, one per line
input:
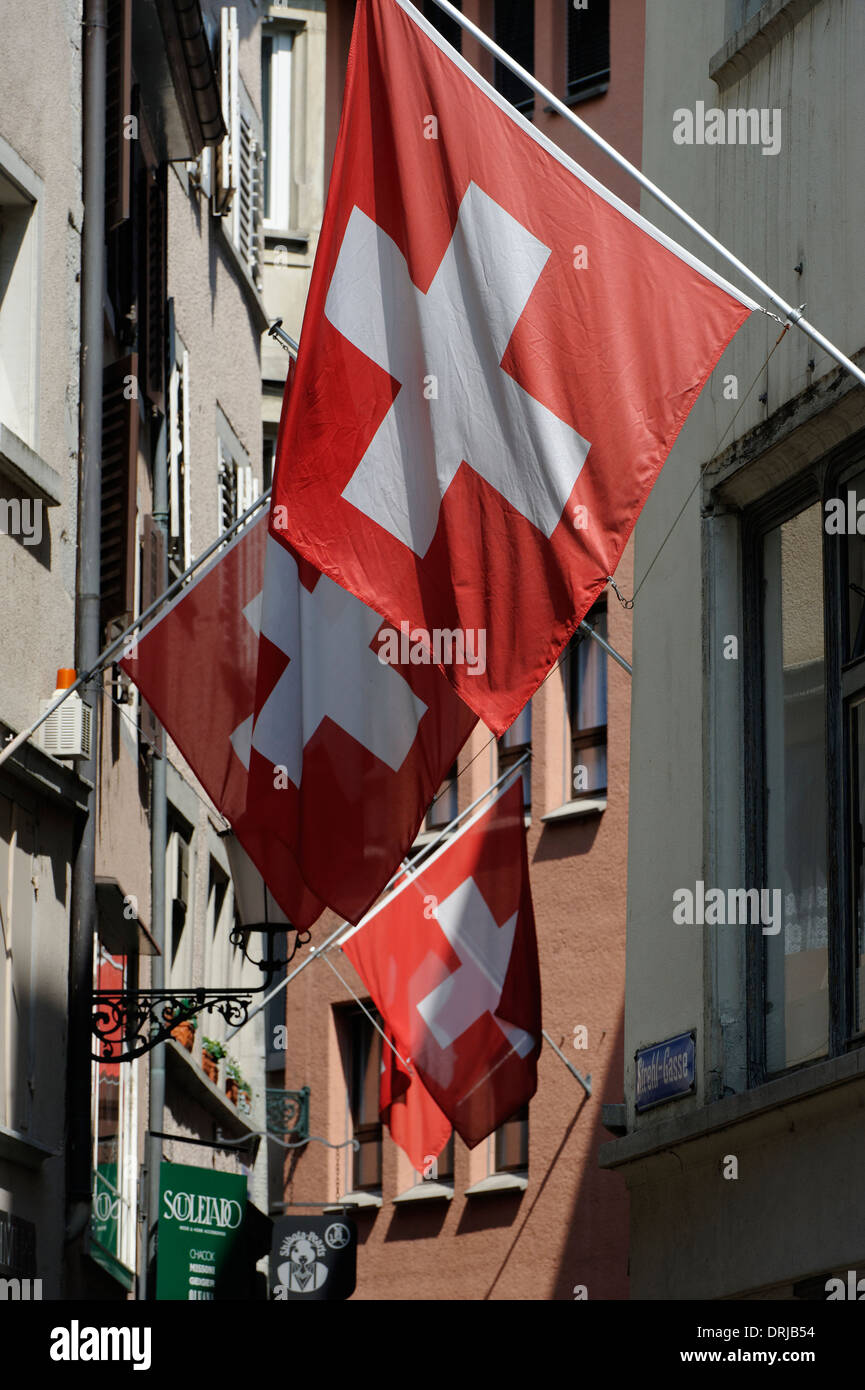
point(158, 848)
point(83, 906)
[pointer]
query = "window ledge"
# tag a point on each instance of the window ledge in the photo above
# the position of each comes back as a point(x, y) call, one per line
point(28, 1153)
point(748, 45)
point(574, 810)
point(24, 466)
point(356, 1199)
point(796, 1087)
point(497, 1182)
point(596, 90)
point(426, 1192)
point(274, 236)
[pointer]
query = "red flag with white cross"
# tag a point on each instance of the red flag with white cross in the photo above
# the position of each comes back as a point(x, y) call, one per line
point(497, 356)
point(415, 1122)
point(450, 959)
point(367, 744)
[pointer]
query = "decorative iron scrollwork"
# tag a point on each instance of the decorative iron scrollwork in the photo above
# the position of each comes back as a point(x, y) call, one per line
point(128, 1023)
point(288, 1113)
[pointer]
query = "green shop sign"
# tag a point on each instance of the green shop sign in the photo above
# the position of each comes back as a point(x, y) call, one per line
point(201, 1240)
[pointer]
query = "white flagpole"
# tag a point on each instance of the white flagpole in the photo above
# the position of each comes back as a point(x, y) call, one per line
point(793, 315)
point(115, 646)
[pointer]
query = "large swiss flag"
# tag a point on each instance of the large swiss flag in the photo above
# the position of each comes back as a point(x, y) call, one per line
point(451, 960)
point(497, 357)
point(333, 836)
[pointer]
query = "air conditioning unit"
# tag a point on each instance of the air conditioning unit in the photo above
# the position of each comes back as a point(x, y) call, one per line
point(66, 732)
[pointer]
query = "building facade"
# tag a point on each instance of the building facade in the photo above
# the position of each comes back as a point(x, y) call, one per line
point(746, 713)
point(526, 1214)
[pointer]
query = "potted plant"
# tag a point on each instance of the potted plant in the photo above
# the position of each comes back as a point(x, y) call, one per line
point(184, 1031)
point(244, 1100)
point(211, 1051)
point(233, 1080)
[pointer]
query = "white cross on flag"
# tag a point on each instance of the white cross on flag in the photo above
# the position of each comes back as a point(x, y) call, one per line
point(359, 748)
point(497, 357)
point(451, 960)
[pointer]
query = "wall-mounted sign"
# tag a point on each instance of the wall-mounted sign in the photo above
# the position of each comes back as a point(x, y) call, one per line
point(313, 1257)
point(201, 1241)
point(666, 1070)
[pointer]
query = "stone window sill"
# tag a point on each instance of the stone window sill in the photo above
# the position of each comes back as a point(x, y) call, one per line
point(573, 810)
point(750, 44)
point(426, 1192)
point(496, 1183)
point(30, 472)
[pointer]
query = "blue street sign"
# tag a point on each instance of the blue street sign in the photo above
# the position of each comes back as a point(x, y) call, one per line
point(666, 1070)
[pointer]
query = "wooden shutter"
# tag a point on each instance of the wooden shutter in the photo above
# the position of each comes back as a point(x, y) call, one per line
point(118, 106)
point(249, 197)
point(152, 585)
point(119, 485)
point(226, 180)
point(155, 232)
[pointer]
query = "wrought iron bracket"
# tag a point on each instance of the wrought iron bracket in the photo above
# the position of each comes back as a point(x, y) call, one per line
point(288, 1113)
point(128, 1023)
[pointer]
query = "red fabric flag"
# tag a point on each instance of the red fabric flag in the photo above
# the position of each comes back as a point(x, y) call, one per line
point(497, 356)
point(450, 959)
point(196, 667)
point(415, 1122)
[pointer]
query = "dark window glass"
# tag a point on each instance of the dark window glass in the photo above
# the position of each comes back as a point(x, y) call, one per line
point(514, 31)
point(365, 1076)
point(513, 744)
point(444, 807)
point(587, 707)
point(588, 41)
point(512, 1143)
point(447, 27)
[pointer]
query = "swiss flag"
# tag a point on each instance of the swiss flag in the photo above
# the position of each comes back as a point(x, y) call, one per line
point(333, 836)
point(196, 667)
point(497, 357)
point(410, 1113)
point(450, 959)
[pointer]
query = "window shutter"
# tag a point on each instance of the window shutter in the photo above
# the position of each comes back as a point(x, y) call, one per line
point(119, 485)
point(515, 33)
point(228, 485)
point(226, 181)
point(118, 105)
point(588, 46)
point(152, 574)
point(178, 447)
point(186, 500)
point(249, 205)
point(155, 288)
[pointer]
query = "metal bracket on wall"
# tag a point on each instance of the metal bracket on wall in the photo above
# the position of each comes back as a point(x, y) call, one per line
point(129, 1023)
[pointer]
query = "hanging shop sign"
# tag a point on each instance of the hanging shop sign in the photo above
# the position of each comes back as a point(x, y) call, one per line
point(313, 1257)
point(666, 1071)
point(201, 1238)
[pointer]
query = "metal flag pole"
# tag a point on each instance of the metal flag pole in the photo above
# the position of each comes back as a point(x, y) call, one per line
point(406, 868)
point(794, 315)
point(115, 646)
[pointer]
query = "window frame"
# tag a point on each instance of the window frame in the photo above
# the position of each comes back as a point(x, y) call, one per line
point(825, 477)
point(590, 84)
point(502, 75)
point(597, 735)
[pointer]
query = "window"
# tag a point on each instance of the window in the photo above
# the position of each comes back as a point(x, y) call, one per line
point(805, 751)
point(238, 192)
point(511, 1143)
point(447, 27)
point(514, 31)
point(364, 1077)
point(588, 39)
point(178, 891)
point(237, 486)
point(445, 806)
point(440, 1169)
point(179, 457)
point(586, 677)
point(19, 297)
point(276, 57)
point(513, 744)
